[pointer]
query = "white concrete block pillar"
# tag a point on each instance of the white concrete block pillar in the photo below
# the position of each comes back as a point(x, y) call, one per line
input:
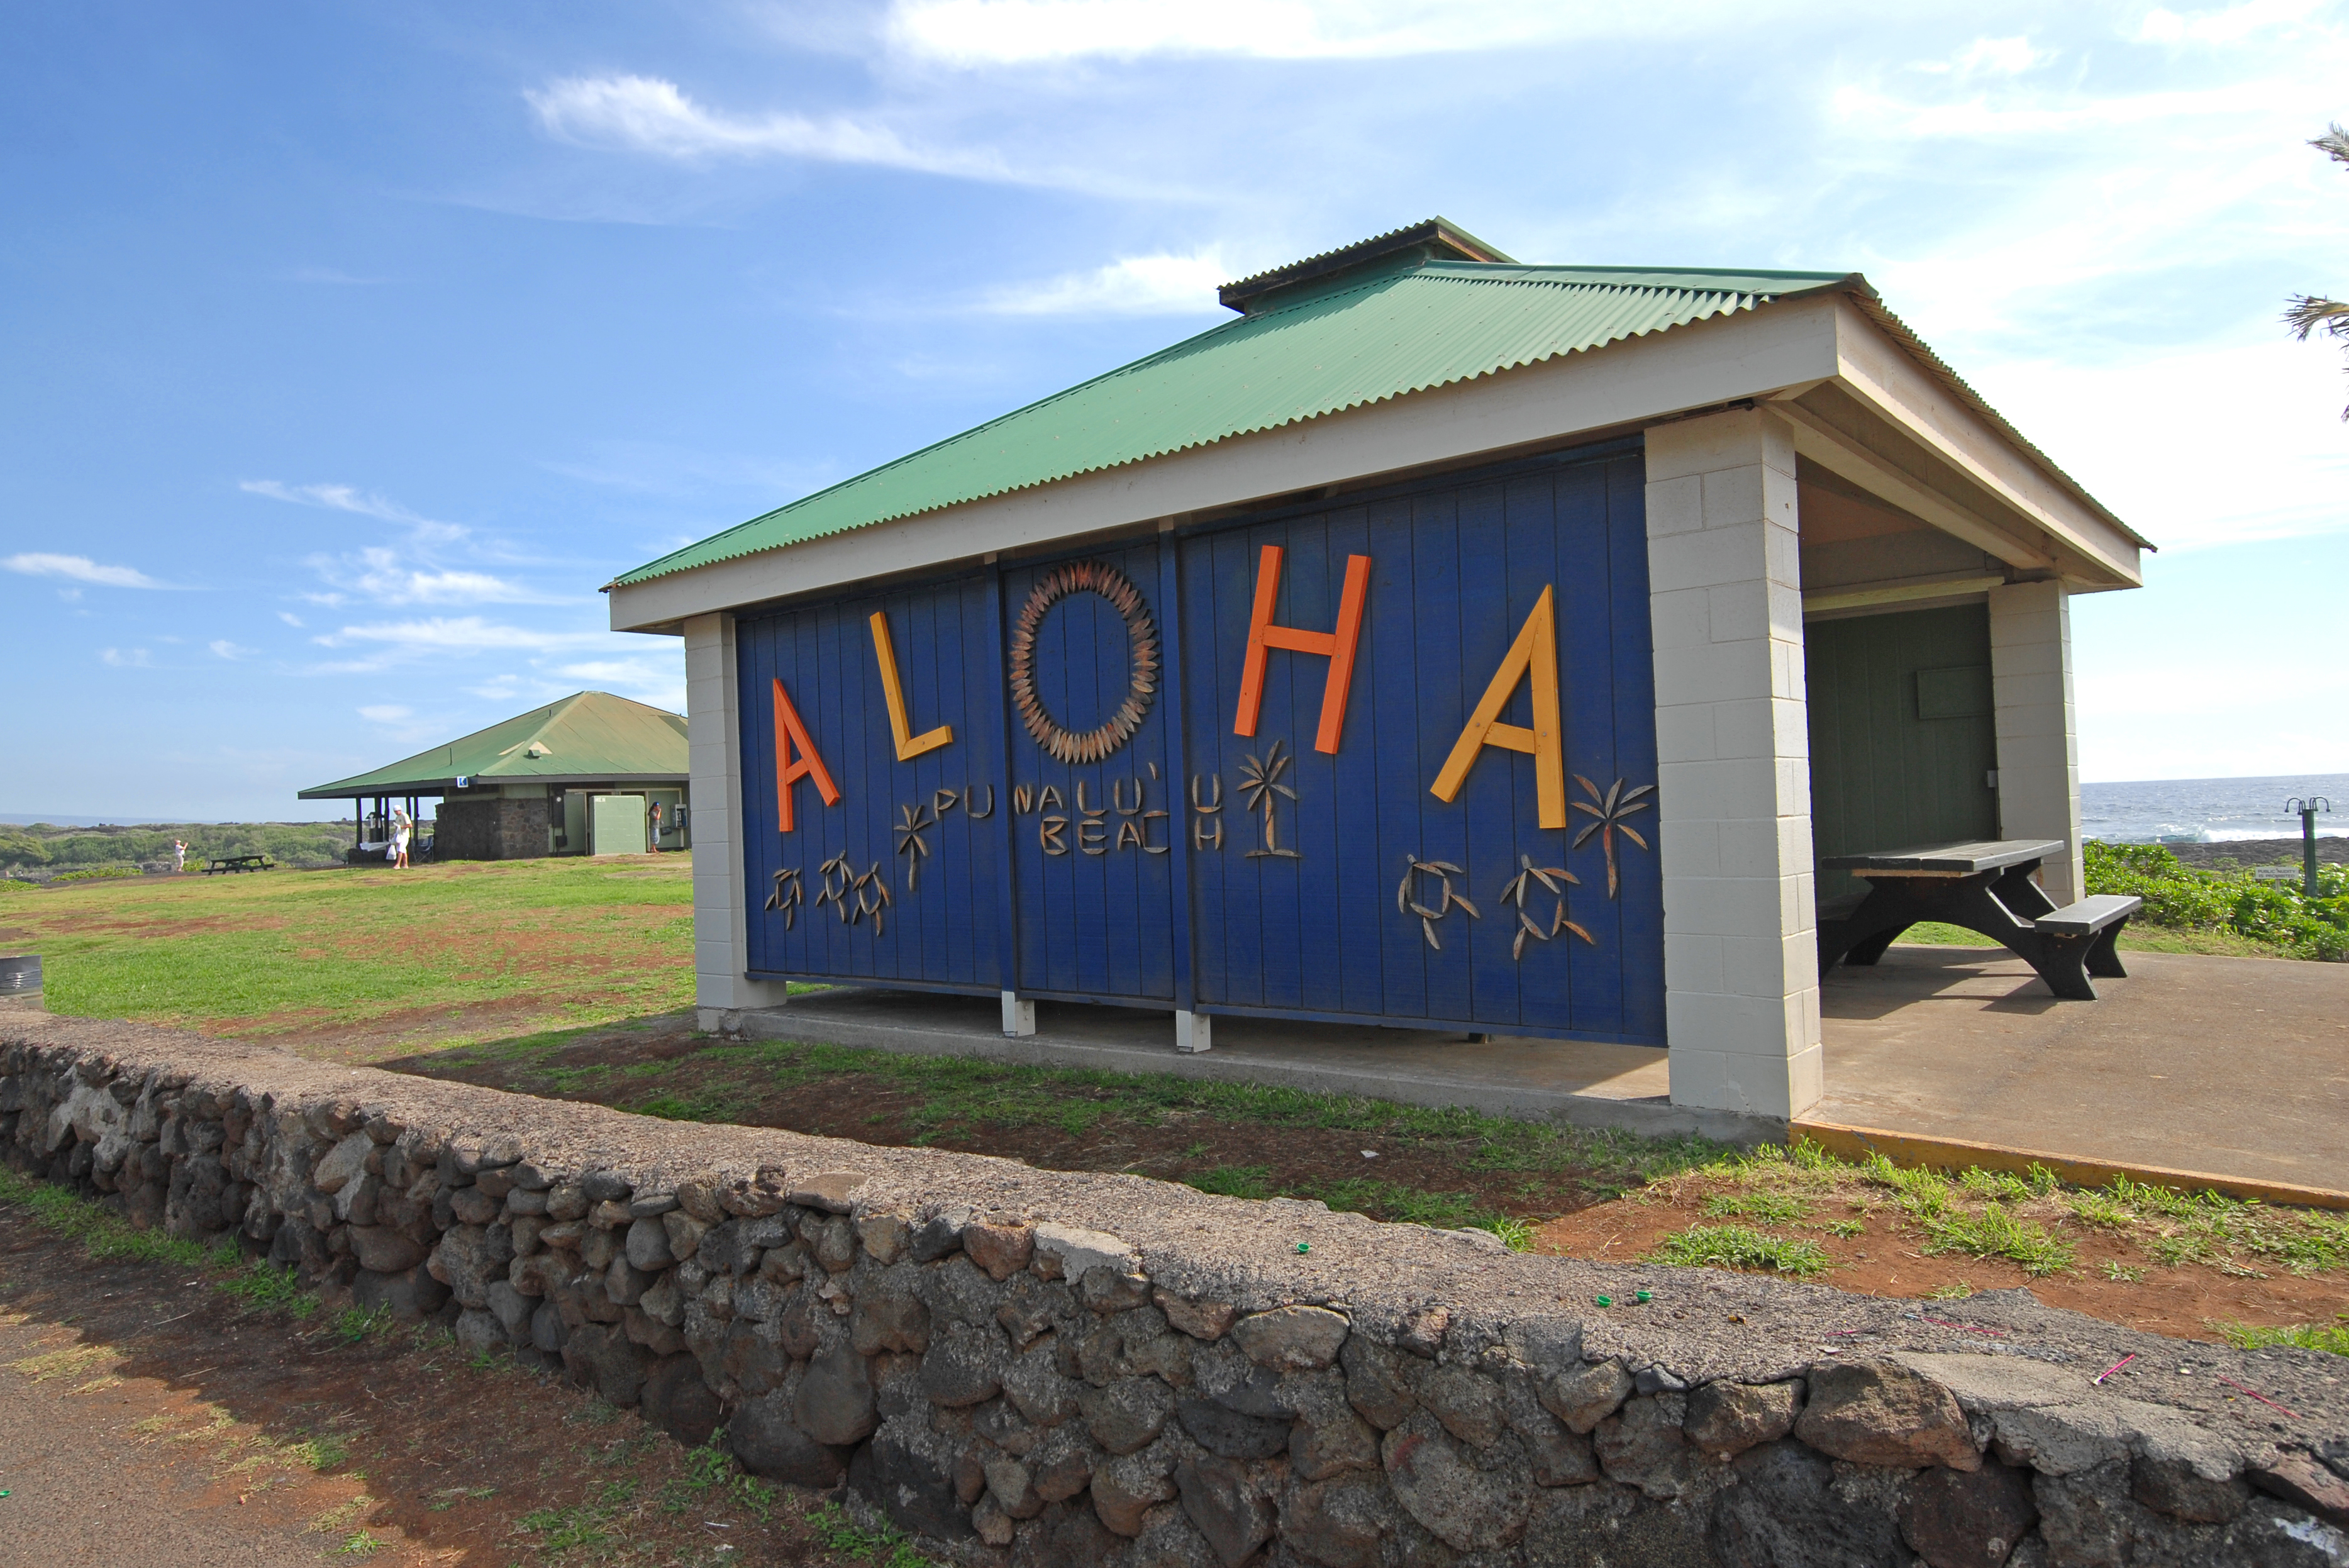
point(1733, 806)
point(1018, 1015)
point(2038, 749)
point(1194, 1031)
point(714, 744)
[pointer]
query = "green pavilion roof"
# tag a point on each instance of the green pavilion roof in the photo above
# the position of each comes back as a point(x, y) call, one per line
point(1342, 336)
point(589, 737)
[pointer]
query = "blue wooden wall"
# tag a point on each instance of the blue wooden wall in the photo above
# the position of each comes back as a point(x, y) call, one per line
point(1088, 893)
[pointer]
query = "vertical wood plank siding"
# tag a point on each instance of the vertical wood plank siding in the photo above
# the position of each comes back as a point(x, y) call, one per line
point(1457, 565)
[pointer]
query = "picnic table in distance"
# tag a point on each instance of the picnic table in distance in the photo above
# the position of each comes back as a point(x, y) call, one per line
point(1982, 886)
point(239, 863)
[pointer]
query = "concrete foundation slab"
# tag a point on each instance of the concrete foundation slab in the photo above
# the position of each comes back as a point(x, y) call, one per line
point(2231, 1072)
point(1579, 1083)
point(2232, 1068)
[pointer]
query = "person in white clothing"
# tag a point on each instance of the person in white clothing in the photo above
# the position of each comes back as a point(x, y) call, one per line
point(400, 829)
point(179, 854)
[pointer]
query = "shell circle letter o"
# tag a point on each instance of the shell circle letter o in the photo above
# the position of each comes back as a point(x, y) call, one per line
point(1075, 577)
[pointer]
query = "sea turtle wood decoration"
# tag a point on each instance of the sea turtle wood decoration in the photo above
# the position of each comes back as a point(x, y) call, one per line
point(1084, 577)
point(1442, 871)
point(1515, 893)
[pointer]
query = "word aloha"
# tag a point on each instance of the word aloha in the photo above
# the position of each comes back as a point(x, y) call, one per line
point(1531, 660)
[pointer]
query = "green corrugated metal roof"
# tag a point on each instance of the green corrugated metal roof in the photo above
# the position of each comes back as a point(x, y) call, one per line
point(1361, 339)
point(1363, 336)
point(589, 736)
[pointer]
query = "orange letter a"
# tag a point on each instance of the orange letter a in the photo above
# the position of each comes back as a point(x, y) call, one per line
point(795, 759)
point(1535, 651)
point(1338, 646)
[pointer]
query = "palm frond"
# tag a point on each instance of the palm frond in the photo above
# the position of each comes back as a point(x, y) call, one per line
point(2334, 142)
point(2306, 313)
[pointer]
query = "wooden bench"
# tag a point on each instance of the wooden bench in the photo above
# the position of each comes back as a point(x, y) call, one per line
point(2080, 940)
point(239, 863)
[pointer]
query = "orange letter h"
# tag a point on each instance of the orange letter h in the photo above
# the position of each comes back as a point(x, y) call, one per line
point(1338, 646)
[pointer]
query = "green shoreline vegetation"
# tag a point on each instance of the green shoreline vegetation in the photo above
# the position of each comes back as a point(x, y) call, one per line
point(43, 851)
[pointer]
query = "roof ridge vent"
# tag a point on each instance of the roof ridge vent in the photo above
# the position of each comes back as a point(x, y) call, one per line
point(1436, 239)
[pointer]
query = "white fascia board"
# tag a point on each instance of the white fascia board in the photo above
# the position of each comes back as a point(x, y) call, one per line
point(1888, 379)
point(1623, 384)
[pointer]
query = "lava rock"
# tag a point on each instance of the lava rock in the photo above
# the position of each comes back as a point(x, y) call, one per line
point(1882, 1413)
point(1726, 1418)
point(1299, 1338)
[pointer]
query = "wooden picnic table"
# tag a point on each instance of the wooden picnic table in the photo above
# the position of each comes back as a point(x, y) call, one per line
point(1982, 886)
point(239, 863)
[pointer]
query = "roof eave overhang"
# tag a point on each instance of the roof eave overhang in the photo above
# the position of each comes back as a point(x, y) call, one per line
point(449, 784)
point(1894, 421)
point(1859, 398)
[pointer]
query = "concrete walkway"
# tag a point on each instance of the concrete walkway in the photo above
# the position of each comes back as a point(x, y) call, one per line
point(2236, 1069)
point(2233, 1067)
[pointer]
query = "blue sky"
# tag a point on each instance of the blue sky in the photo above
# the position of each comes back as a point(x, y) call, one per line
point(350, 348)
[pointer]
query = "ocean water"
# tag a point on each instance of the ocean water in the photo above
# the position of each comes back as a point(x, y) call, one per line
point(2208, 811)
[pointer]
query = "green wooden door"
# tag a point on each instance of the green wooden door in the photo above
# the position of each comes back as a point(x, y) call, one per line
point(1903, 736)
point(616, 825)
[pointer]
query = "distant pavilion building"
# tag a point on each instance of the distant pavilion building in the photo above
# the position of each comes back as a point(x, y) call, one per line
point(580, 777)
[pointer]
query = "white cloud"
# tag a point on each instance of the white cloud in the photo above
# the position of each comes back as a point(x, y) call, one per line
point(1156, 284)
point(2002, 57)
point(230, 650)
point(386, 713)
point(464, 634)
point(80, 569)
point(2230, 25)
point(349, 498)
point(2149, 436)
point(1025, 32)
point(289, 618)
point(645, 114)
point(649, 678)
point(125, 659)
point(1978, 117)
point(383, 576)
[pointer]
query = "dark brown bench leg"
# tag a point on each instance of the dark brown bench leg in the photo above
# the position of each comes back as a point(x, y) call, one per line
point(2103, 953)
point(1868, 950)
point(2059, 960)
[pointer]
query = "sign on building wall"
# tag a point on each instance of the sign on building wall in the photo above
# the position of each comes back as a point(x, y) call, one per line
point(1387, 760)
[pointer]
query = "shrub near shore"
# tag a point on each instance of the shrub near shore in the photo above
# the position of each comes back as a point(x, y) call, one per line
point(2184, 897)
point(42, 850)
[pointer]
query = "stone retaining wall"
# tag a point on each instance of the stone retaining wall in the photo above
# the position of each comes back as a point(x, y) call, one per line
point(1029, 1368)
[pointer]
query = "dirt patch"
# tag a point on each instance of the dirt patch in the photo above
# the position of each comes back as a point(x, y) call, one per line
point(316, 1034)
point(1886, 1259)
point(668, 1070)
point(389, 1435)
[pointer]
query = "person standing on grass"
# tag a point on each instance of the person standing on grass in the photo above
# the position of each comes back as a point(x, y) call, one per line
point(400, 829)
point(179, 854)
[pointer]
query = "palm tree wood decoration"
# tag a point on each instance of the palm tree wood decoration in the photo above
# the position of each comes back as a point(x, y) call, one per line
point(1259, 781)
point(1515, 893)
point(917, 820)
point(2309, 312)
point(1611, 809)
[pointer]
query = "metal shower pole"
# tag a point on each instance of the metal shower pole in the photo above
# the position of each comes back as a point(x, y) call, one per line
point(2308, 809)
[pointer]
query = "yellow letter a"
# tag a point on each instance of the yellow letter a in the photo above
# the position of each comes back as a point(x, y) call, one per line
point(1536, 648)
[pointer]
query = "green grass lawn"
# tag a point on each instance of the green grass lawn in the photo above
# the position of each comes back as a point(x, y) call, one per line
point(555, 941)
